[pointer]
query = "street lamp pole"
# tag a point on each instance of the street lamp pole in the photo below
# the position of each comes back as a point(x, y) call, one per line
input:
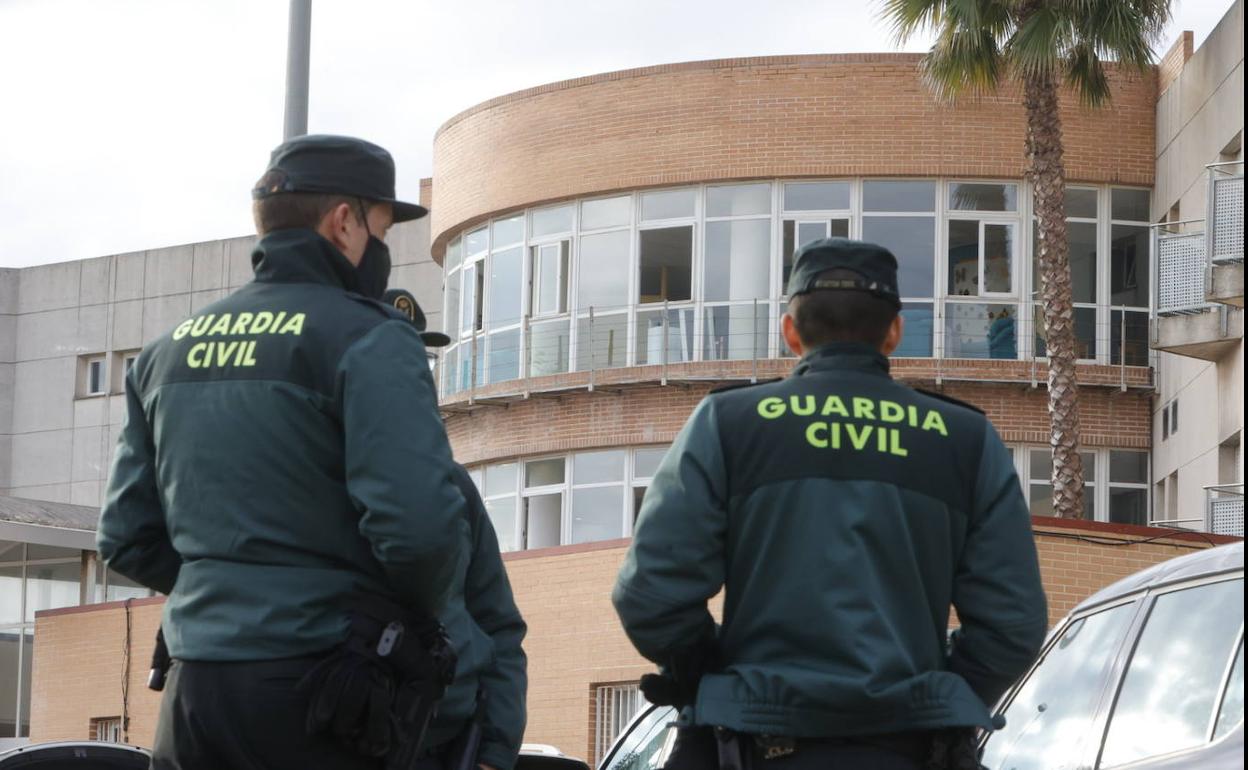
point(298, 52)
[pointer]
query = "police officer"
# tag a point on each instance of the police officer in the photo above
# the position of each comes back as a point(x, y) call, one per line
point(842, 513)
point(282, 451)
point(481, 719)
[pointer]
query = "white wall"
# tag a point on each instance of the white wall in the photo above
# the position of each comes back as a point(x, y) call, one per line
point(56, 444)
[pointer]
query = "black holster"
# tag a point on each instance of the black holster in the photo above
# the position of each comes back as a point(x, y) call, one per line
point(955, 749)
point(379, 689)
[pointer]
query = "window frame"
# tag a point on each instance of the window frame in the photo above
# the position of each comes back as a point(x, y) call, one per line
point(1099, 489)
point(90, 363)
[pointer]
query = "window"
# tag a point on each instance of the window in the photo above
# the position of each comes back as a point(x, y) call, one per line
point(597, 496)
point(550, 346)
point(602, 341)
point(1128, 487)
point(607, 212)
point(653, 347)
point(1064, 688)
point(668, 204)
point(816, 196)
point(645, 465)
point(799, 232)
point(1231, 710)
point(900, 216)
point(107, 729)
point(615, 707)
point(1041, 483)
point(123, 361)
point(666, 265)
point(115, 587)
point(548, 276)
point(603, 270)
point(736, 332)
point(471, 315)
point(972, 196)
point(1176, 675)
point(92, 376)
point(981, 258)
point(551, 221)
point(738, 260)
point(507, 232)
point(543, 502)
point(499, 494)
point(1081, 229)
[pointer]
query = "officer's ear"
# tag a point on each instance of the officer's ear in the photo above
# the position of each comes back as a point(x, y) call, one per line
point(788, 327)
point(337, 224)
point(896, 330)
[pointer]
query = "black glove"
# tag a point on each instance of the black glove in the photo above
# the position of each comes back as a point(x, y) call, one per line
point(678, 684)
point(955, 749)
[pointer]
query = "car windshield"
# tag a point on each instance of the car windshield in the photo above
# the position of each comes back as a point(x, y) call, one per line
point(1060, 697)
point(641, 748)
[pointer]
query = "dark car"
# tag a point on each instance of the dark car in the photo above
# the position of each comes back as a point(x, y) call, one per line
point(1147, 674)
point(75, 755)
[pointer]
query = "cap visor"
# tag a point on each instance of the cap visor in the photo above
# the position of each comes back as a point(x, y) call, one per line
point(406, 212)
point(435, 339)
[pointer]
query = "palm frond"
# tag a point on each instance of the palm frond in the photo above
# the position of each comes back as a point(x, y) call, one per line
point(1039, 41)
point(964, 61)
point(909, 17)
point(1085, 74)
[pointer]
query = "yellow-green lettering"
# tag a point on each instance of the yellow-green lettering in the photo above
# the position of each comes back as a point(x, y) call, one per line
point(183, 328)
point(858, 435)
point(225, 350)
point(293, 326)
point(896, 448)
point(933, 421)
point(813, 439)
point(194, 356)
point(805, 408)
point(864, 408)
point(890, 411)
point(264, 319)
point(770, 408)
point(240, 325)
point(201, 325)
point(834, 405)
point(250, 359)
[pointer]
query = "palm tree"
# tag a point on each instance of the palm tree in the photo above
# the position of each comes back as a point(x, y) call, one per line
point(1040, 43)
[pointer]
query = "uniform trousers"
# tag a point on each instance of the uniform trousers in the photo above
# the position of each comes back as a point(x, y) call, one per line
point(243, 716)
point(696, 749)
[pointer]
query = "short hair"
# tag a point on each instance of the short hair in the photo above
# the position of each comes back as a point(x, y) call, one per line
point(283, 211)
point(841, 315)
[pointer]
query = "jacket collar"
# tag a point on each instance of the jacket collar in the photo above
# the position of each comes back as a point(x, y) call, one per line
point(299, 255)
point(851, 356)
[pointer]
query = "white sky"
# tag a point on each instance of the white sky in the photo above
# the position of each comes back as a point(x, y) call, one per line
point(132, 124)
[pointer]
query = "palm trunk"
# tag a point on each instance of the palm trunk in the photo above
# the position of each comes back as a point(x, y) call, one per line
point(1048, 180)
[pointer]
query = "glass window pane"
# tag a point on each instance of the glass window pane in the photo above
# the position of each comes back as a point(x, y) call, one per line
point(738, 260)
point(597, 514)
point(11, 593)
point(1135, 328)
point(505, 287)
point(1131, 205)
point(607, 212)
point(650, 349)
point(549, 348)
point(1042, 465)
point(1128, 506)
point(965, 196)
point(500, 480)
point(981, 331)
point(646, 461)
point(35, 552)
point(963, 258)
point(10, 665)
point(838, 228)
point(603, 274)
point(898, 196)
point(1175, 675)
point(913, 241)
point(468, 303)
point(454, 254)
point(643, 748)
point(121, 587)
point(598, 467)
point(549, 275)
point(452, 304)
point(504, 356)
point(49, 586)
point(1080, 202)
point(543, 524)
point(666, 264)
point(10, 551)
point(476, 242)
point(999, 258)
point(916, 340)
point(1231, 712)
point(736, 332)
point(1128, 263)
point(601, 343)
point(1063, 690)
point(450, 371)
point(557, 219)
point(540, 473)
point(505, 232)
point(816, 196)
point(502, 513)
point(1128, 467)
point(28, 660)
point(668, 204)
point(1085, 332)
point(1082, 237)
point(738, 200)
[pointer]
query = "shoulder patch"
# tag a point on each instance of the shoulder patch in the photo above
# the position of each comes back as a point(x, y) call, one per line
point(950, 399)
point(738, 385)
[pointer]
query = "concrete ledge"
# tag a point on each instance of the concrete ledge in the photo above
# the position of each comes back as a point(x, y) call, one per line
point(1207, 335)
point(1228, 284)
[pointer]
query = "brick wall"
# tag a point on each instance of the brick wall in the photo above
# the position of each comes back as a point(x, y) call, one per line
point(781, 116)
point(1172, 63)
point(574, 638)
point(619, 415)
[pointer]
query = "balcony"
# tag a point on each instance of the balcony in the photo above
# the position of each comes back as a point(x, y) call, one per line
point(1223, 513)
point(1197, 308)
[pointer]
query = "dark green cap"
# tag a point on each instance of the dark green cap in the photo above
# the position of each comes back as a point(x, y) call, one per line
point(875, 266)
point(337, 165)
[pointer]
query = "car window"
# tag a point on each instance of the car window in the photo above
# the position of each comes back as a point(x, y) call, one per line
point(641, 748)
point(1231, 712)
point(1174, 679)
point(1060, 696)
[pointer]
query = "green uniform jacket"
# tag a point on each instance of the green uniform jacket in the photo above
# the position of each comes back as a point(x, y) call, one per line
point(842, 513)
point(282, 449)
point(485, 626)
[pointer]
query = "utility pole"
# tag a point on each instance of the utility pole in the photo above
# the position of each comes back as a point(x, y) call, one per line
point(298, 52)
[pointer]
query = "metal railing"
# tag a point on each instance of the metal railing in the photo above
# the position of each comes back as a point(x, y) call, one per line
point(1224, 509)
point(1225, 213)
point(741, 335)
point(1179, 259)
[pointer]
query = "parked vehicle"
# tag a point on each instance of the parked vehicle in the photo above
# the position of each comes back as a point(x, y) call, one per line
point(1147, 674)
point(75, 755)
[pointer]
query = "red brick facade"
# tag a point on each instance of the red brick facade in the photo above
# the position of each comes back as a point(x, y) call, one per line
point(759, 118)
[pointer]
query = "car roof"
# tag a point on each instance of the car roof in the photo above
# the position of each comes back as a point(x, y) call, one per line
point(1210, 561)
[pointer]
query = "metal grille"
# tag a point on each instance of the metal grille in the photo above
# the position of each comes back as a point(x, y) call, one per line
point(106, 729)
point(1180, 273)
point(616, 705)
point(1226, 515)
point(1226, 219)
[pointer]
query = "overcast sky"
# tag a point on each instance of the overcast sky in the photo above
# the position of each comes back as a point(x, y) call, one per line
point(132, 124)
